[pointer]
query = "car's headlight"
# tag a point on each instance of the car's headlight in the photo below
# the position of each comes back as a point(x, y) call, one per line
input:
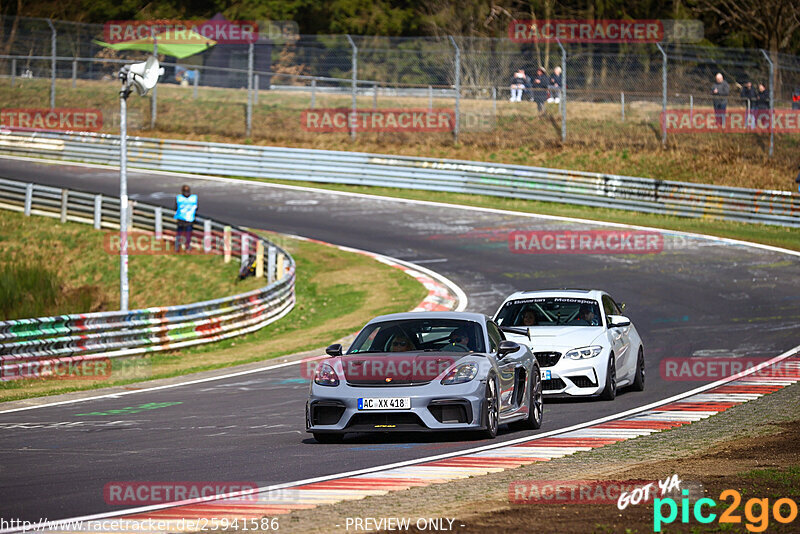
point(461, 374)
point(584, 352)
point(326, 376)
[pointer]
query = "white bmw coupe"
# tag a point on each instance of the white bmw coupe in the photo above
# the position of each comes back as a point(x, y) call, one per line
point(584, 345)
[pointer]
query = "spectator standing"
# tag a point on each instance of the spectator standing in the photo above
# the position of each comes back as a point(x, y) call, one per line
point(517, 85)
point(797, 181)
point(185, 211)
point(539, 88)
point(555, 86)
point(796, 97)
point(762, 103)
point(748, 95)
point(720, 91)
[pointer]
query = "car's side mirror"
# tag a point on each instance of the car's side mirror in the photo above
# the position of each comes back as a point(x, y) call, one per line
point(616, 321)
point(507, 347)
point(334, 350)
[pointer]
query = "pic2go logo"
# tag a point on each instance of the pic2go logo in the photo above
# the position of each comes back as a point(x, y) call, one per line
point(756, 511)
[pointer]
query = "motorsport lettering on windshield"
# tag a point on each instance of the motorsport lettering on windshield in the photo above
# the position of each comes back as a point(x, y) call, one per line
point(555, 299)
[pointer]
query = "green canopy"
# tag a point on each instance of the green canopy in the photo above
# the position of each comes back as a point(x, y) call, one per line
point(193, 44)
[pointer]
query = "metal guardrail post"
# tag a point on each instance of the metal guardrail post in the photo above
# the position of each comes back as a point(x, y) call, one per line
point(74, 72)
point(691, 107)
point(158, 216)
point(256, 85)
point(494, 100)
point(249, 114)
point(98, 212)
point(622, 104)
point(245, 249)
point(123, 204)
point(313, 93)
point(28, 199)
point(354, 119)
point(13, 71)
point(64, 204)
point(194, 83)
point(271, 264)
point(771, 102)
point(457, 67)
point(53, 42)
point(226, 243)
point(374, 96)
point(663, 120)
point(430, 98)
point(207, 236)
point(563, 102)
point(259, 259)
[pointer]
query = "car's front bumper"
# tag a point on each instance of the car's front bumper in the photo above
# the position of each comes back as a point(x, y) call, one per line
point(575, 378)
point(434, 407)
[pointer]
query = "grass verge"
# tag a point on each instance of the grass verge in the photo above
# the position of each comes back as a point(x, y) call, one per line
point(331, 303)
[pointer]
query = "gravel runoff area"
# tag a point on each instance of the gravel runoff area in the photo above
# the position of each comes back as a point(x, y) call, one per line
point(753, 448)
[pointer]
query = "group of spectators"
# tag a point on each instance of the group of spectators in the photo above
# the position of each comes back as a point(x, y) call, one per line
point(755, 100)
point(540, 88)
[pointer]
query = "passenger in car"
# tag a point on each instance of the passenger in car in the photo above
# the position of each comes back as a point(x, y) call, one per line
point(529, 318)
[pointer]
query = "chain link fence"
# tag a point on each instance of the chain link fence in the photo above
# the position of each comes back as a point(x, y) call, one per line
point(266, 89)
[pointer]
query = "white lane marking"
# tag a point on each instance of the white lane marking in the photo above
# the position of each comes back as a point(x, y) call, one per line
point(412, 201)
point(647, 409)
point(439, 260)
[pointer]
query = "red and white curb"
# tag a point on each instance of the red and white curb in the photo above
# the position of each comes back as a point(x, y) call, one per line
point(683, 409)
point(443, 293)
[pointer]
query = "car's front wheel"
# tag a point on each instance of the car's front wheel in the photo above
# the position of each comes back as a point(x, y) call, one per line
point(490, 412)
point(610, 391)
point(325, 437)
point(535, 405)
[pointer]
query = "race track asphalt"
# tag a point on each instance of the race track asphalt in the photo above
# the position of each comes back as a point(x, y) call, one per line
point(695, 298)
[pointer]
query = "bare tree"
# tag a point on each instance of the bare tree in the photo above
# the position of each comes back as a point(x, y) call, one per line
point(771, 23)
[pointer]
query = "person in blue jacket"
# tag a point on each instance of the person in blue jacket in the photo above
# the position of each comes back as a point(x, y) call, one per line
point(185, 211)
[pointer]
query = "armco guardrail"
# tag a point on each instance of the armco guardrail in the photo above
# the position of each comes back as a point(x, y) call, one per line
point(514, 181)
point(28, 347)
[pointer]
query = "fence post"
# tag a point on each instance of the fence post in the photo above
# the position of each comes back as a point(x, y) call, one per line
point(457, 67)
point(622, 101)
point(313, 93)
point(74, 72)
point(354, 118)
point(64, 202)
point(207, 236)
point(52, 64)
point(279, 267)
point(154, 94)
point(249, 118)
point(28, 199)
point(159, 217)
point(375, 96)
point(271, 270)
point(430, 98)
point(494, 100)
point(771, 102)
point(13, 71)
point(563, 92)
point(691, 107)
point(663, 96)
point(259, 259)
point(194, 89)
point(226, 243)
point(98, 211)
point(256, 85)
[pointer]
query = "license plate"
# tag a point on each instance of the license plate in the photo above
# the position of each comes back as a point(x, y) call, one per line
point(388, 403)
point(546, 374)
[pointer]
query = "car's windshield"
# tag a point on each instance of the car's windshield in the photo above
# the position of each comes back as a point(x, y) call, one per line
point(550, 311)
point(443, 335)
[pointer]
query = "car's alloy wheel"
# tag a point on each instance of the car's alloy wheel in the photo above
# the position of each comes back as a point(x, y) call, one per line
point(324, 437)
point(490, 410)
point(638, 380)
point(610, 391)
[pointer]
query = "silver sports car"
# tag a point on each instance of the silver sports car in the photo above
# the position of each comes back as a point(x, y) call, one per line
point(426, 371)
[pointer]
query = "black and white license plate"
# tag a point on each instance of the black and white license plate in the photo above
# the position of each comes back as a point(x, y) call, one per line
point(387, 403)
